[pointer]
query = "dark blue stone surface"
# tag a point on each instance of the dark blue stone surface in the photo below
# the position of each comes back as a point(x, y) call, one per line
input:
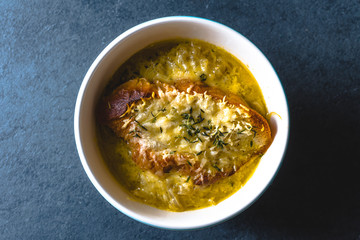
point(46, 48)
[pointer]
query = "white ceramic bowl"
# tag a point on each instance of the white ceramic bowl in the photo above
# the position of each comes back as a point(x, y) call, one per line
point(120, 50)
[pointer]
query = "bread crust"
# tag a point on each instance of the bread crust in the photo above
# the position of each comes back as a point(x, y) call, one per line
point(113, 110)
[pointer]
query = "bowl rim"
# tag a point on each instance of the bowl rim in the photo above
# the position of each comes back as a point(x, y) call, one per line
point(77, 123)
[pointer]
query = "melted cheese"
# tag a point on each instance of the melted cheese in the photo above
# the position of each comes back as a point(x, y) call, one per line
point(213, 132)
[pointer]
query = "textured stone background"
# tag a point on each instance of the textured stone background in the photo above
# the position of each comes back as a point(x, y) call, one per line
point(46, 48)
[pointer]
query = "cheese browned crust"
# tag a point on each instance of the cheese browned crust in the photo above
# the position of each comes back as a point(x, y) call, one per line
point(188, 127)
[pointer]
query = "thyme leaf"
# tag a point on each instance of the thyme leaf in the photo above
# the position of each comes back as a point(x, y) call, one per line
point(204, 134)
point(254, 132)
point(185, 115)
point(199, 153)
point(203, 77)
point(141, 125)
point(221, 144)
point(154, 118)
point(217, 168)
point(199, 119)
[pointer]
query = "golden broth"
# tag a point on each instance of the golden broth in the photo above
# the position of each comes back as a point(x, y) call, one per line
point(169, 61)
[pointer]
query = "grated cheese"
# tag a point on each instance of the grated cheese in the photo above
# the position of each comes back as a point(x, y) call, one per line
point(216, 131)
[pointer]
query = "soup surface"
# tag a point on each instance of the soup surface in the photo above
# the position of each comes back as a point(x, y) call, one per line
point(169, 62)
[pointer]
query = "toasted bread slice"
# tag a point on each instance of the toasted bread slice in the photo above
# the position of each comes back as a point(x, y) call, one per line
point(187, 127)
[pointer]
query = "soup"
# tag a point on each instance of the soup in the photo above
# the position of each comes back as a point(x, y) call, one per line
point(209, 67)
